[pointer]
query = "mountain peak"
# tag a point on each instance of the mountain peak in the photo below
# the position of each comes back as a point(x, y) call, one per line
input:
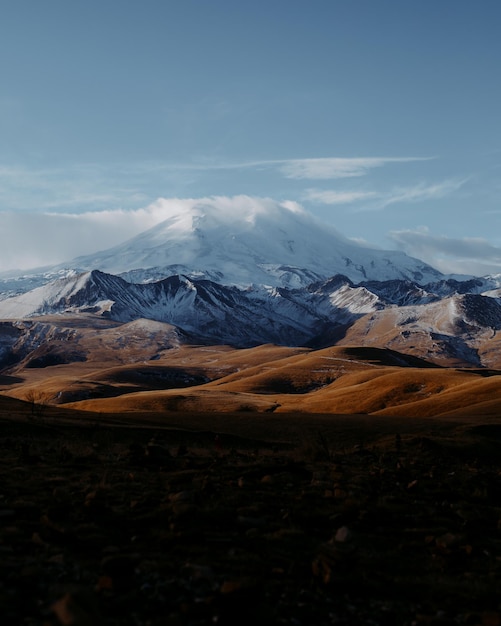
point(244, 241)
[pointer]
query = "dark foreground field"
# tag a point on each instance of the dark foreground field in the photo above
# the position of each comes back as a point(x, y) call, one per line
point(334, 521)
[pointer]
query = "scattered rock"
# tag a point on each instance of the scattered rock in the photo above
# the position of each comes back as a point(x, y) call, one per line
point(77, 608)
point(120, 569)
point(343, 535)
point(157, 453)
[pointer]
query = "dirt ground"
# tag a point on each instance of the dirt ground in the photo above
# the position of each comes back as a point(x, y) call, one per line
point(348, 521)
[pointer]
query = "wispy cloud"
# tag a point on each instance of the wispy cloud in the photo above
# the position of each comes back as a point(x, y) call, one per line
point(330, 196)
point(466, 255)
point(77, 187)
point(334, 168)
point(376, 200)
point(327, 168)
point(420, 192)
point(95, 185)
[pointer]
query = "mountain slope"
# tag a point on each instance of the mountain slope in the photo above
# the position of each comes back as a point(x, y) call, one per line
point(458, 330)
point(206, 310)
point(455, 331)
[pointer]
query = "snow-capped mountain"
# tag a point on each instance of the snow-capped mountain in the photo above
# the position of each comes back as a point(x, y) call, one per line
point(242, 243)
point(206, 310)
point(256, 273)
point(250, 243)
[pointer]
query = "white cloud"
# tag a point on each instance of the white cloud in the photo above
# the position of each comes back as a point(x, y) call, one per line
point(36, 239)
point(376, 200)
point(466, 255)
point(29, 239)
point(420, 192)
point(89, 186)
point(76, 187)
point(330, 196)
point(325, 168)
point(333, 168)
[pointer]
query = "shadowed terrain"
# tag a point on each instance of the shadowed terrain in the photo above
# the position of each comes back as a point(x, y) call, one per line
point(244, 518)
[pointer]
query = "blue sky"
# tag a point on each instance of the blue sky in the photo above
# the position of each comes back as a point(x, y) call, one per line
point(381, 117)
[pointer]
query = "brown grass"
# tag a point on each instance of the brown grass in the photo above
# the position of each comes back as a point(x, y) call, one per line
point(149, 372)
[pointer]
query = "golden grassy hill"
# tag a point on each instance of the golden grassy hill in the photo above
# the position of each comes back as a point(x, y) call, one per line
point(151, 371)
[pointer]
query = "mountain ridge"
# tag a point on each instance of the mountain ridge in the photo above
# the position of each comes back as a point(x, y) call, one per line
point(271, 276)
point(459, 329)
